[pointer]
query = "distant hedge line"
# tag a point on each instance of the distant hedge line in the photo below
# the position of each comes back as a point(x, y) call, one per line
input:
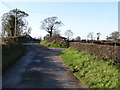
point(13, 40)
point(101, 42)
point(102, 51)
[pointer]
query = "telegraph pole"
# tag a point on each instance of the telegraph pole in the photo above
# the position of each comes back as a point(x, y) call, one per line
point(15, 22)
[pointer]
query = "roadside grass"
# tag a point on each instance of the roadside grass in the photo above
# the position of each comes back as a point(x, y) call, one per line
point(51, 44)
point(10, 54)
point(91, 70)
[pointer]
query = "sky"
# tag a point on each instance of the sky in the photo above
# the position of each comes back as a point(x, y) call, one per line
point(79, 17)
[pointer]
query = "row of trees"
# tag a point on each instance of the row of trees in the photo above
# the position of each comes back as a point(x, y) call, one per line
point(52, 24)
point(91, 36)
point(14, 24)
point(113, 36)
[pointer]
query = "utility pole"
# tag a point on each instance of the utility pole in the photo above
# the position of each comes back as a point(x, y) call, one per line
point(15, 22)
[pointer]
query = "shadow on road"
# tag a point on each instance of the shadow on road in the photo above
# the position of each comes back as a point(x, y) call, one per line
point(41, 67)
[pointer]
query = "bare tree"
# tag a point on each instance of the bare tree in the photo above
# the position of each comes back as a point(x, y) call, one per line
point(77, 38)
point(50, 24)
point(98, 35)
point(28, 31)
point(114, 35)
point(56, 33)
point(69, 33)
point(90, 35)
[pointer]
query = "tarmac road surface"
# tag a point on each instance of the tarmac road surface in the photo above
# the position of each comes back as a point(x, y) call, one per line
point(40, 67)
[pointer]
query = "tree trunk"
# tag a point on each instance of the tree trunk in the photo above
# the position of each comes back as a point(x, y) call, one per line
point(12, 32)
point(51, 33)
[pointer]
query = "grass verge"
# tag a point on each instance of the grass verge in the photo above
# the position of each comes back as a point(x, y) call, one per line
point(10, 54)
point(92, 71)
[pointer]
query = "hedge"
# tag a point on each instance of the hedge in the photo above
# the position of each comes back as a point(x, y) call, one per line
point(10, 53)
point(101, 42)
point(102, 51)
point(13, 40)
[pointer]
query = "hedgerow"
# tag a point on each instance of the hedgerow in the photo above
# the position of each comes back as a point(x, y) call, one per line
point(102, 51)
point(12, 50)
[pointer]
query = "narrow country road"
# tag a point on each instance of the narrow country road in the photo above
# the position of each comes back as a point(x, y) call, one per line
point(40, 67)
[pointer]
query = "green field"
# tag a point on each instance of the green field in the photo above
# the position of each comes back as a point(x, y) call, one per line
point(92, 71)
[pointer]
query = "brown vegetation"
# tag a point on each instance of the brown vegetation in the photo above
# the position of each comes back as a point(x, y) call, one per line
point(102, 51)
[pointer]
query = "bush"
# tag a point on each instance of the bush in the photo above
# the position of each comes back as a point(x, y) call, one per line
point(102, 51)
point(9, 40)
point(54, 44)
point(23, 39)
point(61, 41)
point(15, 40)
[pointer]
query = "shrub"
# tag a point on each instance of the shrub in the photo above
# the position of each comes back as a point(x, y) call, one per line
point(15, 40)
point(61, 41)
point(23, 39)
point(53, 44)
point(9, 40)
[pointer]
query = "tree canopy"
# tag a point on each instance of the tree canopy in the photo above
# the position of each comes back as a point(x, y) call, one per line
point(98, 35)
point(78, 38)
point(51, 24)
point(14, 23)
